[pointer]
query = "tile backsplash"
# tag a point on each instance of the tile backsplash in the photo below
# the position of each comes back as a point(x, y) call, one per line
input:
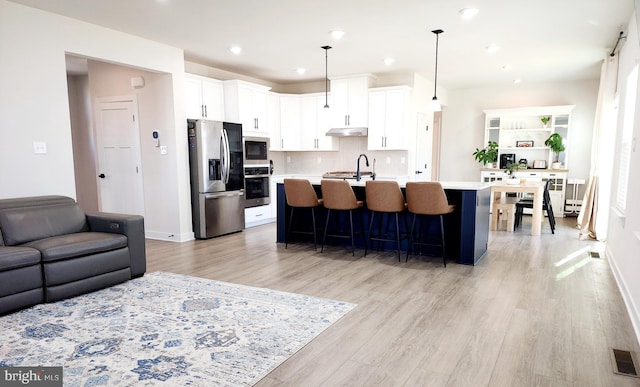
point(388, 163)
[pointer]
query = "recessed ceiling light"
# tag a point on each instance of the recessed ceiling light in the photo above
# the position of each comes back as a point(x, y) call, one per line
point(517, 80)
point(492, 48)
point(301, 71)
point(235, 49)
point(507, 67)
point(389, 61)
point(337, 34)
point(468, 13)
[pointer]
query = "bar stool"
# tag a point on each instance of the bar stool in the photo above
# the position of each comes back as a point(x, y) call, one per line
point(427, 199)
point(339, 196)
point(300, 194)
point(385, 197)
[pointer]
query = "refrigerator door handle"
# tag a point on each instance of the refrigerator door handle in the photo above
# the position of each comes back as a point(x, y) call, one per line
point(227, 156)
point(223, 161)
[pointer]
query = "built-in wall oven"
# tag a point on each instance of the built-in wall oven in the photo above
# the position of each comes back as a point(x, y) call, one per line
point(257, 171)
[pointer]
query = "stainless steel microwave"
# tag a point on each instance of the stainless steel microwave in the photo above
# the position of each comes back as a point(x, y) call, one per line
point(256, 150)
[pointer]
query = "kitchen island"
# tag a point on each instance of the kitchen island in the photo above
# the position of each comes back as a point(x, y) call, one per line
point(467, 228)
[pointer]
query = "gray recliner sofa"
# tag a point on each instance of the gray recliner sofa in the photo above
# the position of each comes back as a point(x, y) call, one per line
point(51, 250)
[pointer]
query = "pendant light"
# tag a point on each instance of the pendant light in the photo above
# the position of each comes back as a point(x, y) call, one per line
point(326, 76)
point(435, 104)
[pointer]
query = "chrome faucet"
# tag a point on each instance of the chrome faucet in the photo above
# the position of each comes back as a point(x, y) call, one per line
point(366, 160)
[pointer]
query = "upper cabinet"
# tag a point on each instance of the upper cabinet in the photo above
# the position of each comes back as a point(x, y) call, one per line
point(246, 103)
point(349, 101)
point(289, 138)
point(314, 124)
point(204, 98)
point(389, 109)
point(273, 116)
point(522, 132)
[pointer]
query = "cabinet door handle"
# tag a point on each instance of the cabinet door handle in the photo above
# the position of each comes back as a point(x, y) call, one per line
point(345, 119)
point(348, 119)
point(202, 110)
point(382, 142)
point(385, 141)
point(205, 111)
point(281, 143)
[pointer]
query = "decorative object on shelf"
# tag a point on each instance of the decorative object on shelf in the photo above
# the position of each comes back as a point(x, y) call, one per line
point(511, 169)
point(545, 121)
point(326, 75)
point(524, 144)
point(435, 104)
point(487, 155)
point(555, 143)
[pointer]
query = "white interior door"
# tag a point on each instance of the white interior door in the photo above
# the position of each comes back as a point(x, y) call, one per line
point(119, 161)
point(424, 145)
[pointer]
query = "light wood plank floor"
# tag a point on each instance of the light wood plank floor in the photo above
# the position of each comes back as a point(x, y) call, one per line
point(537, 311)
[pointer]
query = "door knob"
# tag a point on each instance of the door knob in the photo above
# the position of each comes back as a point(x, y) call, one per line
point(418, 172)
point(102, 176)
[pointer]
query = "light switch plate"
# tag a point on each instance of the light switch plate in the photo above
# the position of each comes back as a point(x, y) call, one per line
point(39, 147)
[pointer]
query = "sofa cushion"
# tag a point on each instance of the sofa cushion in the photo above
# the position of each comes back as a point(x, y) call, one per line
point(76, 245)
point(16, 257)
point(21, 225)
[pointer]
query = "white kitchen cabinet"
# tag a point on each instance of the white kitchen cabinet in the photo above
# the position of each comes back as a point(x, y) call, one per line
point(289, 122)
point(389, 109)
point(314, 124)
point(246, 103)
point(204, 98)
point(273, 117)
point(349, 101)
point(256, 216)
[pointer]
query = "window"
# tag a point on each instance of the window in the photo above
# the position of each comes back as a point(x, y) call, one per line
point(627, 134)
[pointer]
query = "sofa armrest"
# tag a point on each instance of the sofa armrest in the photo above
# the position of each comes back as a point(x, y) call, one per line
point(130, 225)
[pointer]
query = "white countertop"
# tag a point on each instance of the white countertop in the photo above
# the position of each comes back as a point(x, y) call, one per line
point(402, 181)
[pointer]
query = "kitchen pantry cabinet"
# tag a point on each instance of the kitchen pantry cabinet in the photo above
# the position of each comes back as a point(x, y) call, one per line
point(350, 101)
point(389, 109)
point(314, 124)
point(204, 98)
point(246, 103)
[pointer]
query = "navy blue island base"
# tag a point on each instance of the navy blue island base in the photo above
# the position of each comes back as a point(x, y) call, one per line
point(466, 229)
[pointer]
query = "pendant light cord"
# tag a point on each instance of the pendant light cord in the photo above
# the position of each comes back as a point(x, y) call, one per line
point(435, 80)
point(326, 75)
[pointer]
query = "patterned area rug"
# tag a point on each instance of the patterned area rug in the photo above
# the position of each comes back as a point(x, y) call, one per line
point(169, 330)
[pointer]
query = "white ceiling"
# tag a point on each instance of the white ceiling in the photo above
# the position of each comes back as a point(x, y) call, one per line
point(543, 40)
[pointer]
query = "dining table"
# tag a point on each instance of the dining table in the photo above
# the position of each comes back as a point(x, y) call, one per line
point(535, 187)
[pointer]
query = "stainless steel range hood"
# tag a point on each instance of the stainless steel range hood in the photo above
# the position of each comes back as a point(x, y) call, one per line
point(348, 132)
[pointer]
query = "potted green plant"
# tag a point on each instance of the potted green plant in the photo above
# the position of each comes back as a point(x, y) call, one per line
point(487, 155)
point(554, 142)
point(510, 170)
point(545, 120)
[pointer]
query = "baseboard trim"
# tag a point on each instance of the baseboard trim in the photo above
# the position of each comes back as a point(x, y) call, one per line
point(633, 312)
point(165, 236)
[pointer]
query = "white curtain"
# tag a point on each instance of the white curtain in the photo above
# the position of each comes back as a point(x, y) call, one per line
point(594, 213)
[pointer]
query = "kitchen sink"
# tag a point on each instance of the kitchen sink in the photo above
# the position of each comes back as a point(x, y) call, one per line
point(344, 175)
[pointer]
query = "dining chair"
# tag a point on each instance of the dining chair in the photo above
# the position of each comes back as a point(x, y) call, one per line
point(546, 206)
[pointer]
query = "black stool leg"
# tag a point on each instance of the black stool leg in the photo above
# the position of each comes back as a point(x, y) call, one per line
point(410, 242)
point(370, 228)
point(444, 254)
point(326, 227)
point(353, 244)
point(398, 236)
point(313, 218)
point(286, 242)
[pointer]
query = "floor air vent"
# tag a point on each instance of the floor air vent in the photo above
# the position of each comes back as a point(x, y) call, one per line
point(594, 254)
point(624, 362)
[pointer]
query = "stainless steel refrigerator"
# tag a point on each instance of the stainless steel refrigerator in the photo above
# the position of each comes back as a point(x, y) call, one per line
point(217, 182)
